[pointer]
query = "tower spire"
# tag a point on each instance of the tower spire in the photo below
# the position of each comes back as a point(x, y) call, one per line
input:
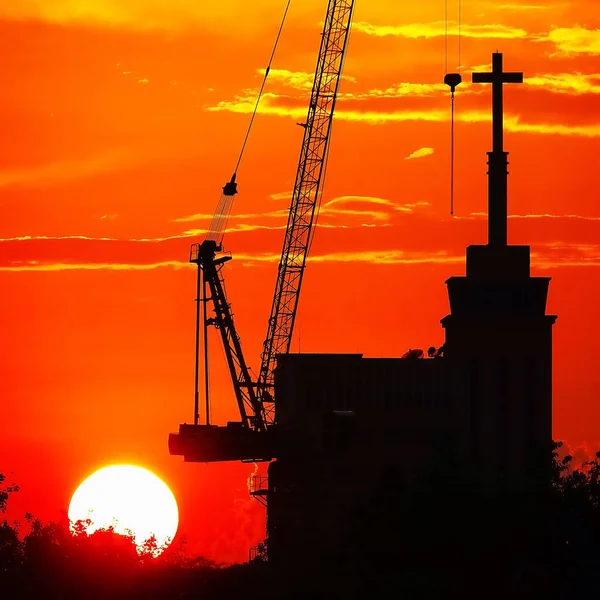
point(498, 158)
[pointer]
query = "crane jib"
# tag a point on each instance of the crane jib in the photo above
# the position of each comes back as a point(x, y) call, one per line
point(309, 178)
point(254, 438)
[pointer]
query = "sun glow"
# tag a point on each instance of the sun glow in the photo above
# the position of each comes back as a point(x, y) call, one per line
point(131, 500)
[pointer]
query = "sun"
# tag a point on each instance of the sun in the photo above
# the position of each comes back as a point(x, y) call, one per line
point(132, 500)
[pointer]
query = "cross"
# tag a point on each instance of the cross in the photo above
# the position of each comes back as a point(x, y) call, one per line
point(498, 163)
point(497, 78)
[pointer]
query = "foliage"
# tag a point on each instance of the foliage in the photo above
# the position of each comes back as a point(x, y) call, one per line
point(439, 543)
point(5, 490)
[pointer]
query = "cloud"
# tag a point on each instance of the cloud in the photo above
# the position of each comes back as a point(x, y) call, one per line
point(27, 238)
point(513, 123)
point(404, 89)
point(482, 215)
point(282, 195)
point(420, 153)
point(300, 80)
point(303, 81)
point(521, 7)
point(377, 208)
point(567, 83)
point(381, 209)
point(573, 40)
point(192, 218)
point(144, 15)
point(55, 238)
point(380, 257)
point(33, 266)
point(566, 254)
point(551, 255)
point(208, 217)
point(242, 227)
point(69, 170)
point(438, 29)
point(570, 83)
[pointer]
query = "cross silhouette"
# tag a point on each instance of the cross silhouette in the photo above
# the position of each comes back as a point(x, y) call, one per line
point(497, 159)
point(497, 78)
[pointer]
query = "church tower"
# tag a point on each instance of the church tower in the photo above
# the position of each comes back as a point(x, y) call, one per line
point(499, 341)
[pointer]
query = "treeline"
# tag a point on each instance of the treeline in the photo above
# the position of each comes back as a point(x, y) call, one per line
point(442, 543)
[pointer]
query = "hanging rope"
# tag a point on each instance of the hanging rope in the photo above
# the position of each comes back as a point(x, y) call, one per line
point(452, 80)
point(218, 225)
point(452, 160)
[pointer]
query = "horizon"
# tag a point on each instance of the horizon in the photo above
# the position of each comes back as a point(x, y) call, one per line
point(122, 127)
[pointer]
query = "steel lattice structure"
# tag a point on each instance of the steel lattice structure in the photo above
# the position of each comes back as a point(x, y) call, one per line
point(205, 256)
point(309, 176)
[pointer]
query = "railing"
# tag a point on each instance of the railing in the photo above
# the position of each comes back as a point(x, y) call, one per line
point(258, 485)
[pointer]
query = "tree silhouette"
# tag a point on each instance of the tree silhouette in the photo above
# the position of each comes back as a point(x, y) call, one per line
point(431, 544)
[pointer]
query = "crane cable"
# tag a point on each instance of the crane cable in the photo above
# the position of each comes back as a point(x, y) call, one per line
point(223, 210)
point(262, 87)
point(452, 79)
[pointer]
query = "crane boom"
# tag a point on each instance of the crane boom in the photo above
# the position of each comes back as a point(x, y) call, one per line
point(309, 176)
point(254, 438)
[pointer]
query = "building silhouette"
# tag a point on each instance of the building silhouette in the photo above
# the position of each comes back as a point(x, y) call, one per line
point(482, 403)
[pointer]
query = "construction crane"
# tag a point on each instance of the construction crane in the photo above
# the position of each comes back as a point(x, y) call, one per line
point(254, 437)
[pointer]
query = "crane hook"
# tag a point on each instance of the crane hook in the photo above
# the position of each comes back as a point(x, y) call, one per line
point(452, 80)
point(230, 188)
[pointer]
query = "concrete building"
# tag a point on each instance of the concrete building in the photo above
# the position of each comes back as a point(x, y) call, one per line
point(482, 402)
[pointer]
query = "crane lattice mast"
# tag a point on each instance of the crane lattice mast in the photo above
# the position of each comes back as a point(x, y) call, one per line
point(251, 439)
point(305, 197)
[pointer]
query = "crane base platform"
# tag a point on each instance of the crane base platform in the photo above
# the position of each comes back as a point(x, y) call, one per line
point(214, 443)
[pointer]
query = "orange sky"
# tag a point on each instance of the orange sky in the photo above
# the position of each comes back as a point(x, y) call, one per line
point(122, 120)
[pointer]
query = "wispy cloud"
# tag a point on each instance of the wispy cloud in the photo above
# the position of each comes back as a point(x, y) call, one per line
point(521, 7)
point(282, 195)
point(514, 123)
point(403, 89)
point(571, 254)
point(68, 170)
point(196, 232)
point(280, 213)
point(420, 153)
point(27, 238)
point(303, 81)
point(144, 15)
point(546, 256)
point(573, 40)
point(300, 80)
point(380, 257)
point(381, 209)
point(32, 266)
point(438, 29)
point(376, 208)
point(58, 238)
point(566, 83)
point(483, 215)
point(569, 83)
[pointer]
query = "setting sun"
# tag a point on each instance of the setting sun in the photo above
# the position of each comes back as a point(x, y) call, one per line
point(130, 499)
